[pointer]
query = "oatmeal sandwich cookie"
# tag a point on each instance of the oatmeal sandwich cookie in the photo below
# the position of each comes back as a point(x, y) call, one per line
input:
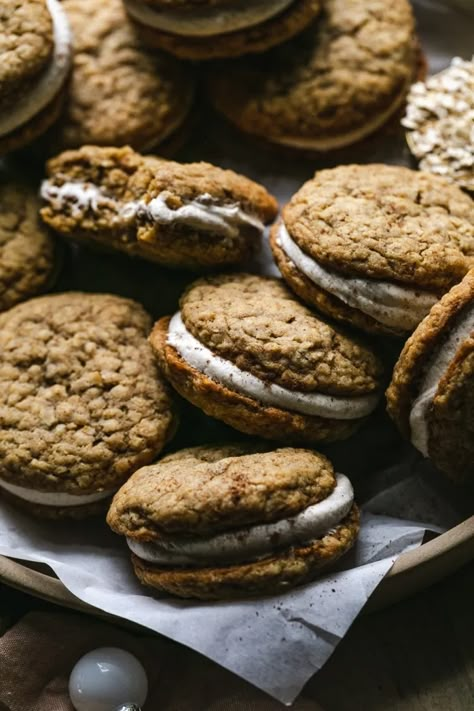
point(192, 215)
point(120, 93)
point(226, 522)
point(335, 84)
point(211, 29)
point(375, 245)
point(35, 59)
point(245, 351)
point(82, 405)
point(28, 254)
point(431, 396)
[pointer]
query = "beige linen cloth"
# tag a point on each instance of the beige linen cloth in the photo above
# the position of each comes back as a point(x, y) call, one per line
point(38, 653)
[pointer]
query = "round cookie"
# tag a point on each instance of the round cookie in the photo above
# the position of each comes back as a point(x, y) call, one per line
point(439, 118)
point(28, 256)
point(119, 93)
point(431, 396)
point(222, 522)
point(194, 216)
point(213, 30)
point(375, 246)
point(35, 59)
point(245, 351)
point(333, 85)
point(82, 404)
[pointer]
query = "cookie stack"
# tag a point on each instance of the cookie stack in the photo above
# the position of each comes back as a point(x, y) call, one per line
point(372, 257)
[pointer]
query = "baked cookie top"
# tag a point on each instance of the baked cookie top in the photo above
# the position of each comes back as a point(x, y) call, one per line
point(27, 252)
point(119, 93)
point(26, 42)
point(213, 489)
point(385, 222)
point(82, 404)
point(257, 324)
point(347, 67)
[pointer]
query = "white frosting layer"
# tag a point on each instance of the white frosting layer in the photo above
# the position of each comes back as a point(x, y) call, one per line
point(252, 542)
point(53, 498)
point(206, 21)
point(392, 305)
point(437, 367)
point(228, 374)
point(203, 214)
point(50, 81)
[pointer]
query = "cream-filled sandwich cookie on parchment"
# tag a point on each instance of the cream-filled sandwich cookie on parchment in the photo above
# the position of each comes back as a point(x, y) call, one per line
point(228, 521)
point(431, 396)
point(375, 246)
point(35, 60)
point(193, 215)
point(82, 405)
point(245, 351)
point(212, 29)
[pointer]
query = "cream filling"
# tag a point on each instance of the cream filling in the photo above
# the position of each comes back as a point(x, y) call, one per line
point(438, 366)
point(203, 213)
point(50, 81)
point(252, 542)
point(392, 305)
point(52, 498)
point(228, 374)
point(206, 21)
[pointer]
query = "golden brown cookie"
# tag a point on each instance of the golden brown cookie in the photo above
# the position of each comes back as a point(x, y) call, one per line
point(35, 59)
point(225, 522)
point(431, 396)
point(82, 404)
point(335, 84)
point(245, 351)
point(28, 256)
point(210, 30)
point(192, 215)
point(119, 93)
point(375, 246)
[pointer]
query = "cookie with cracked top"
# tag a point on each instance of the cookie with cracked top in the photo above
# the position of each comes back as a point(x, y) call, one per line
point(211, 30)
point(229, 521)
point(333, 85)
point(82, 404)
point(245, 351)
point(431, 396)
point(375, 246)
point(194, 215)
point(35, 60)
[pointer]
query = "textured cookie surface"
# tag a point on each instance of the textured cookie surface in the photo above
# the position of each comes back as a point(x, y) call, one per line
point(268, 576)
point(119, 93)
point(81, 403)
point(256, 323)
point(26, 43)
point(27, 253)
point(218, 490)
point(343, 71)
point(258, 38)
point(385, 222)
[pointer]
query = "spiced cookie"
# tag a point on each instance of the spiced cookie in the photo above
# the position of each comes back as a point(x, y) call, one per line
point(181, 215)
point(82, 405)
point(333, 85)
point(35, 59)
point(220, 522)
point(211, 29)
point(440, 120)
point(375, 245)
point(119, 94)
point(431, 396)
point(245, 351)
point(28, 256)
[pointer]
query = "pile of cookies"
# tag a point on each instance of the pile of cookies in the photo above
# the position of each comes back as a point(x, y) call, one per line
point(368, 255)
